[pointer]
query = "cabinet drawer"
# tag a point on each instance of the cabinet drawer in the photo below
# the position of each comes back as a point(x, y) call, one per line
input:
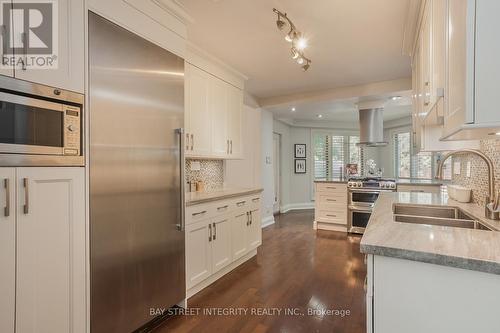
point(199, 212)
point(331, 187)
point(338, 217)
point(331, 198)
point(419, 188)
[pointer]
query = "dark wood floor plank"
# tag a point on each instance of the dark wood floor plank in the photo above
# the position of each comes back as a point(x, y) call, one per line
point(296, 267)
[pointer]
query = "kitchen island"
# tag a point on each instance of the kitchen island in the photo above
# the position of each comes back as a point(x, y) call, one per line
point(431, 278)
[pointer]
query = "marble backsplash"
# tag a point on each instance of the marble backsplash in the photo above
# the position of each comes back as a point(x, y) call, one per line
point(478, 181)
point(211, 173)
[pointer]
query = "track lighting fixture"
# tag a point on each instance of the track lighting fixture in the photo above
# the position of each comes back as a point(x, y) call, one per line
point(299, 43)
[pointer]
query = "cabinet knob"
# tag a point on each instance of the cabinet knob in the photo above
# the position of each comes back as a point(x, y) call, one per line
point(57, 92)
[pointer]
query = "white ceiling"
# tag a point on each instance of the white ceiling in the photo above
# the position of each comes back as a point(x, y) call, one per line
point(341, 111)
point(351, 42)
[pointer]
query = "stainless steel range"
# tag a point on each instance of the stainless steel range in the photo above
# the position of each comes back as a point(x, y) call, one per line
point(362, 194)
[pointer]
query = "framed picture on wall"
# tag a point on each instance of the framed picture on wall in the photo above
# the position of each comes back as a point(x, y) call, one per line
point(300, 150)
point(300, 166)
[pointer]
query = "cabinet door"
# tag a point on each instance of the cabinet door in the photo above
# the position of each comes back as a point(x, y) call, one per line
point(218, 112)
point(198, 253)
point(69, 47)
point(7, 249)
point(254, 230)
point(239, 234)
point(51, 269)
point(458, 91)
point(197, 112)
point(487, 70)
point(235, 106)
point(221, 243)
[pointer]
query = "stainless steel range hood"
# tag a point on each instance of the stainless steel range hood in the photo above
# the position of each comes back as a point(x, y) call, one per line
point(371, 124)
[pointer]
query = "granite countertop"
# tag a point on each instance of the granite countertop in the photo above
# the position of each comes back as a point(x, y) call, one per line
point(398, 181)
point(471, 249)
point(411, 181)
point(331, 180)
point(194, 198)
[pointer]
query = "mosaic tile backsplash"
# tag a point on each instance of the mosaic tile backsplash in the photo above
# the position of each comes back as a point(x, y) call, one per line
point(211, 173)
point(478, 181)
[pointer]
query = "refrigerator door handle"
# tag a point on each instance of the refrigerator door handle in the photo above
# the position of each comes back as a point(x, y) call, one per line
point(182, 225)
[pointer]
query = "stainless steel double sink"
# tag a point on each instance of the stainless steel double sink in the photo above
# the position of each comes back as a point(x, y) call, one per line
point(435, 215)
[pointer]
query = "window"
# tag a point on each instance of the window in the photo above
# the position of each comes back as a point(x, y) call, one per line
point(332, 152)
point(410, 165)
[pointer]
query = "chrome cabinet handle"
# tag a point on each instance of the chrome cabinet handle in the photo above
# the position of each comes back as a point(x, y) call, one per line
point(231, 151)
point(227, 149)
point(333, 200)
point(25, 50)
point(6, 184)
point(251, 217)
point(199, 213)
point(192, 141)
point(331, 215)
point(182, 225)
point(215, 232)
point(26, 207)
point(331, 187)
point(210, 236)
point(241, 203)
point(248, 218)
point(187, 141)
point(223, 207)
point(255, 199)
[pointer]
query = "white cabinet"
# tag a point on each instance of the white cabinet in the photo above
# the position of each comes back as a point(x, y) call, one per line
point(220, 236)
point(219, 115)
point(213, 116)
point(48, 210)
point(255, 227)
point(7, 248)
point(234, 109)
point(472, 68)
point(330, 206)
point(197, 117)
point(221, 242)
point(239, 228)
point(198, 254)
point(69, 73)
point(439, 70)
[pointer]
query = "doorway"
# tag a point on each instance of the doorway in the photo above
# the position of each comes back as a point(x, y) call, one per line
point(277, 172)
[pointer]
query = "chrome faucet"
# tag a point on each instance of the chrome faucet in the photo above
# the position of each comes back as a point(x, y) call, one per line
point(492, 198)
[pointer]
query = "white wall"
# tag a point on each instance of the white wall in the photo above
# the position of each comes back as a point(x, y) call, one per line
point(267, 176)
point(283, 129)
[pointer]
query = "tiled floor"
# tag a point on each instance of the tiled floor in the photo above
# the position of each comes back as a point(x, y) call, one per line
point(296, 268)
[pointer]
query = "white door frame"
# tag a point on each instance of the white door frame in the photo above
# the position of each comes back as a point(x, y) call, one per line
point(276, 161)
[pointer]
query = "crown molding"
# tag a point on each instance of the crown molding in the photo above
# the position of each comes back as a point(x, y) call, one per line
point(175, 8)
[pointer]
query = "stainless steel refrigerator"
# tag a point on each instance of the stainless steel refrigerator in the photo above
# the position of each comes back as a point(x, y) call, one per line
point(136, 178)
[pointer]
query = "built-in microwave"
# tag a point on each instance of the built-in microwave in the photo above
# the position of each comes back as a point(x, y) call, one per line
point(40, 127)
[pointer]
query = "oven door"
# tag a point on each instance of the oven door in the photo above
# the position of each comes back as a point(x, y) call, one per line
point(30, 126)
point(358, 219)
point(363, 198)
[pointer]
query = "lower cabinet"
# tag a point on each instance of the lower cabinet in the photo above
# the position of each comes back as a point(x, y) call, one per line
point(218, 236)
point(44, 239)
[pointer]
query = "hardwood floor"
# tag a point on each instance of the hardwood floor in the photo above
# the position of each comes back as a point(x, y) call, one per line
point(295, 268)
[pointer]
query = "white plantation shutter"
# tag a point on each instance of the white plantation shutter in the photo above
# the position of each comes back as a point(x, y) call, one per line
point(402, 155)
point(422, 165)
point(337, 158)
point(321, 155)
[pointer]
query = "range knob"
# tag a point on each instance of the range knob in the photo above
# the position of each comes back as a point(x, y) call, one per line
point(358, 185)
point(393, 185)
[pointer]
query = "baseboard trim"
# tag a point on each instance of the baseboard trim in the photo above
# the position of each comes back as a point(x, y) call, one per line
point(267, 221)
point(211, 279)
point(297, 206)
point(318, 225)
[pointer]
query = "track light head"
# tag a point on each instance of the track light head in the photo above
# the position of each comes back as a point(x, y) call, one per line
point(306, 66)
point(295, 53)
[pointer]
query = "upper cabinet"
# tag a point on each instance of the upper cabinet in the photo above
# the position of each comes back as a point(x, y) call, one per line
point(213, 116)
point(455, 71)
point(55, 59)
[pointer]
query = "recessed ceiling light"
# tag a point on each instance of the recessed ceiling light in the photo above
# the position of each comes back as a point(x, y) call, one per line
point(320, 116)
point(293, 109)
